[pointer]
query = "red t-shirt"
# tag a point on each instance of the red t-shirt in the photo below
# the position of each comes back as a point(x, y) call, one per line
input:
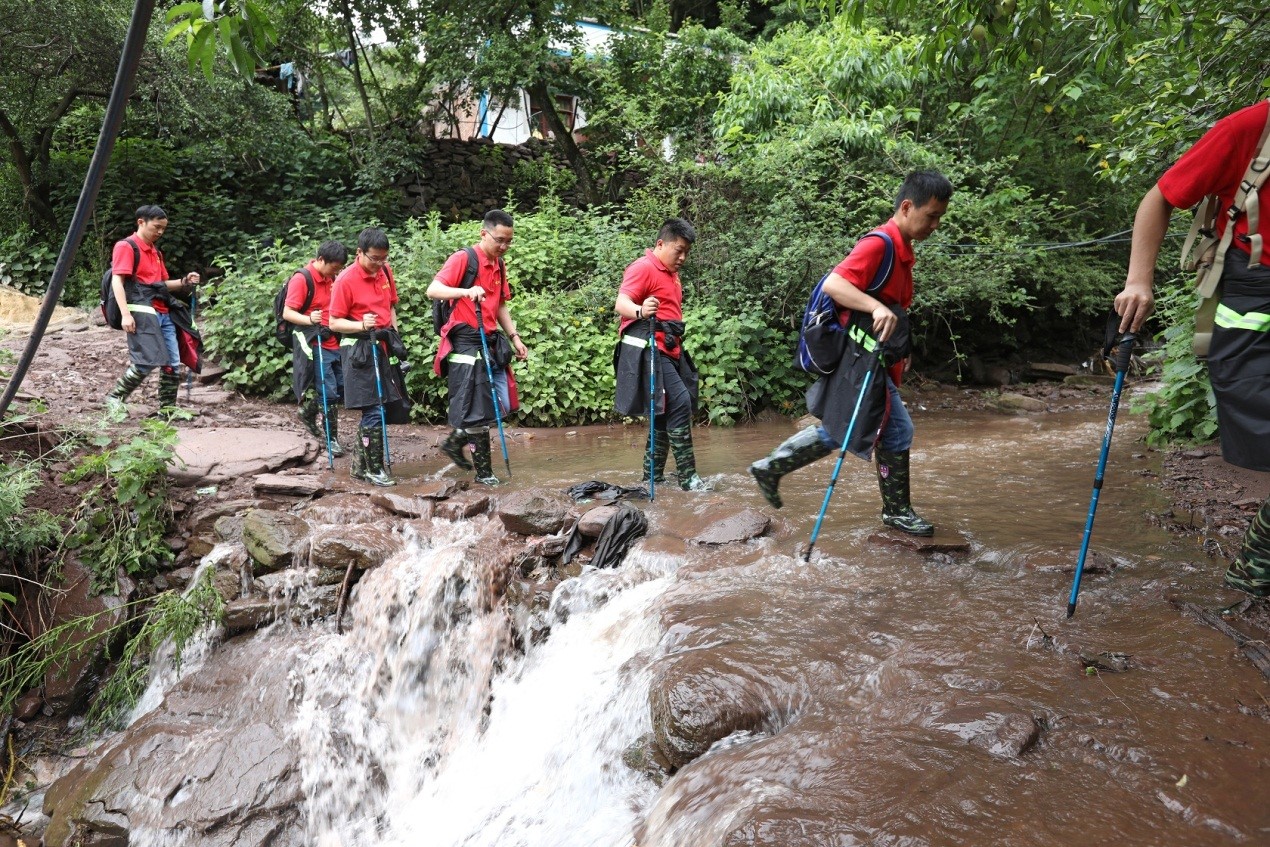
point(488, 277)
point(150, 267)
point(860, 265)
point(648, 277)
point(1216, 165)
point(297, 288)
point(356, 292)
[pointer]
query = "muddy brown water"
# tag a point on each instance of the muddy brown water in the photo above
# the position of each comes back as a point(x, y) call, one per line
point(906, 699)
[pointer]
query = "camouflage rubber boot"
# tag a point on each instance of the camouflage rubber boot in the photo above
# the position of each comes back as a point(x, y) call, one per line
point(686, 460)
point(1250, 572)
point(308, 415)
point(801, 449)
point(333, 424)
point(661, 449)
point(897, 510)
point(124, 387)
point(169, 389)
point(371, 446)
point(482, 461)
point(454, 448)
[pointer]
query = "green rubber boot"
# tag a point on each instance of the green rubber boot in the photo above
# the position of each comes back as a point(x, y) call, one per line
point(795, 452)
point(454, 449)
point(169, 389)
point(660, 450)
point(370, 446)
point(123, 389)
point(482, 461)
point(1250, 572)
point(897, 510)
point(686, 460)
point(333, 423)
point(308, 414)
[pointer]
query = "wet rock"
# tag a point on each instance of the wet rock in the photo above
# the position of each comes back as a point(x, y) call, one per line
point(369, 546)
point(734, 527)
point(592, 522)
point(247, 613)
point(1018, 404)
point(292, 485)
point(1089, 380)
point(343, 509)
point(1050, 370)
point(297, 600)
point(696, 700)
point(548, 546)
point(228, 574)
point(642, 757)
point(465, 504)
point(943, 541)
point(28, 705)
point(68, 681)
point(229, 528)
point(206, 763)
point(432, 489)
point(403, 503)
point(1106, 662)
point(217, 454)
point(271, 538)
point(1003, 733)
point(534, 512)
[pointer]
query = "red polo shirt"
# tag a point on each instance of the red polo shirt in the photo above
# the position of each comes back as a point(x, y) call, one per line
point(488, 277)
point(357, 292)
point(297, 288)
point(1216, 165)
point(860, 265)
point(648, 277)
point(149, 269)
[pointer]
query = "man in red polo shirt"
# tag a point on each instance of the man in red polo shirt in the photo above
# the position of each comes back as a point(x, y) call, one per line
point(364, 300)
point(153, 320)
point(1239, 354)
point(459, 356)
point(651, 295)
point(308, 326)
point(921, 202)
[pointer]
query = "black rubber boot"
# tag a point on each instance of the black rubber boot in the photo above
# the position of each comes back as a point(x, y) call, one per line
point(661, 449)
point(795, 452)
point(333, 423)
point(481, 458)
point(308, 414)
point(897, 510)
point(686, 460)
point(453, 448)
point(169, 389)
point(370, 446)
point(1250, 572)
point(124, 387)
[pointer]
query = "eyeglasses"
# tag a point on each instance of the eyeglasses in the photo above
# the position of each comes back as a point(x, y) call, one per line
point(501, 242)
point(371, 260)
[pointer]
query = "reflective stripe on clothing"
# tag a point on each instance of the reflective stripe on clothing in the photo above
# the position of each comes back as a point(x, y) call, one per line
point(641, 343)
point(1228, 318)
point(145, 310)
point(463, 359)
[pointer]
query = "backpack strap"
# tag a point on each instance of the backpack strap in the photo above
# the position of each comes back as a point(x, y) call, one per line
point(1246, 199)
point(136, 257)
point(309, 287)
point(471, 269)
point(885, 268)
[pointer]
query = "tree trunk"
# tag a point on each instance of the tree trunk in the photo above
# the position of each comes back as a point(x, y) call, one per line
point(36, 206)
point(357, 69)
point(564, 137)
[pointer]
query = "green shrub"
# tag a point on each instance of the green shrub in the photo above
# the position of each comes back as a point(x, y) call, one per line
point(1183, 410)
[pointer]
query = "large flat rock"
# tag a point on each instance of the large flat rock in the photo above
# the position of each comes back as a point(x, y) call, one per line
point(217, 454)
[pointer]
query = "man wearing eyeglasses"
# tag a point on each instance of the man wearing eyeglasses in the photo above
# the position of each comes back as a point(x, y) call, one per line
point(364, 302)
point(459, 356)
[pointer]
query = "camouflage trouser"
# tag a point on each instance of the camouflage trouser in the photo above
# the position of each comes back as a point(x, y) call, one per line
point(1250, 572)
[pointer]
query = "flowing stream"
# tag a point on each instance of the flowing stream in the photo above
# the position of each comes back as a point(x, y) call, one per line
point(897, 698)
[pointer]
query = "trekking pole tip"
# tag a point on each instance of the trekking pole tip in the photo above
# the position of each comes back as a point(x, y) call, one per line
point(1071, 610)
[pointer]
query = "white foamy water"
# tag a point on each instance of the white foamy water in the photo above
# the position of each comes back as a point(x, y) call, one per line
point(423, 725)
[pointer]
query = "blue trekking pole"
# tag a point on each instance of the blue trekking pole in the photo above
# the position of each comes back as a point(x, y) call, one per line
point(326, 414)
point(189, 372)
point(652, 406)
point(846, 441)
point(493, 389)
point(379, 389)
point(1123, 355)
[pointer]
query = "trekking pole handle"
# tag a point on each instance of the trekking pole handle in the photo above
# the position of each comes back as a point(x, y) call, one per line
point(1124, 352)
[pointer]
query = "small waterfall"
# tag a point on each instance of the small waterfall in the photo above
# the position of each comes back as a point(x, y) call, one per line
point(425, 725)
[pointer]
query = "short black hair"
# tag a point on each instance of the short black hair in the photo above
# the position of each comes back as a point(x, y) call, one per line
point(151, 213)
point(333, 251)
point(372, 239)
point(677, 229)
point(496, 217)
point(923, 186)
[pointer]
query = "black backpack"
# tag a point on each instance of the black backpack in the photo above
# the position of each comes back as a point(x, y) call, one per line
point(282, 329)
point(109, 306)
point(441, 309)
